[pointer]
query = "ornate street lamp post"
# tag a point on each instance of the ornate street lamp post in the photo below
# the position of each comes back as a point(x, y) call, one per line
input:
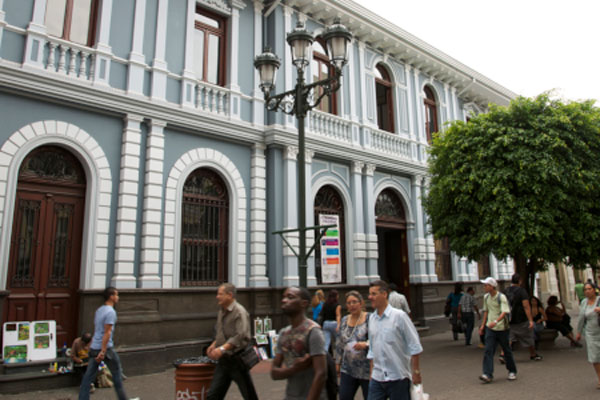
point(299, 101)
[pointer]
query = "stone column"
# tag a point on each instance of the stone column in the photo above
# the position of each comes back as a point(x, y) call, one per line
point(370, 230)
point(127, 211)
point(311, 276)
point(429, 240)
point(258, 218)
point(159, 65)
point(360, 245)
point(137, 62)
point(258, 105)
point(153, 209)
point(290, 215)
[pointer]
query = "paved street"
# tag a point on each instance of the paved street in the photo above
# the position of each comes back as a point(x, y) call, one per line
point(450, 371)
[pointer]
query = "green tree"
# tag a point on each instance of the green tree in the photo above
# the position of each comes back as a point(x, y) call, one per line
point(520, 181)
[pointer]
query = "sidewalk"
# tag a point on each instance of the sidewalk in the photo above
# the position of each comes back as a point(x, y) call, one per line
point(450, 372)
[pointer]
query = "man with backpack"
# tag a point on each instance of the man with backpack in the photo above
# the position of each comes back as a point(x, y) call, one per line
point(521, 321)
point(300, 355)
point(495, 325)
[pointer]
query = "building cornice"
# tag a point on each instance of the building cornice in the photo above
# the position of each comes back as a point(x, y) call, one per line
point(389, 39)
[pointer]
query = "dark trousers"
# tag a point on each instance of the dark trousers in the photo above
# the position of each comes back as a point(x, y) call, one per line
point(112, 361)
point(492, 339)
point(468, 319)
point(454, 322)
point(393, 390)
point(349, 385)
point(231, 369)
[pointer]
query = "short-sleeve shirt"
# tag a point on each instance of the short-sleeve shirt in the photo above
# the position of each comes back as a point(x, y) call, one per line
point(294, 343)
point(454, 299)
point(494, 308)
point(517, 294)
point(398, 300)
point(467, 303)
point(105, 315)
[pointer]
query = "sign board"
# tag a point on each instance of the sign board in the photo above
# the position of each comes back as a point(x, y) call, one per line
point(331, 258)
point(24, 341)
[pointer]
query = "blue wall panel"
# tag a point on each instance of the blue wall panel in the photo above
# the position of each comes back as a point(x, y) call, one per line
point(18, 12)
point(150, 30)
point(246, 51)
point(118, 75)
point(176, 36)
point(12, 47)
point(121, 27)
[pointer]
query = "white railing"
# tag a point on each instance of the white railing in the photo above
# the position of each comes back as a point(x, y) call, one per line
point(329, 126)
point(211, 98)
point(391, 143)
point(70, 59)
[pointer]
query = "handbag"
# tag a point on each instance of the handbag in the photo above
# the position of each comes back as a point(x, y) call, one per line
point(417, 393)
point(248, 357)
point(447, 308)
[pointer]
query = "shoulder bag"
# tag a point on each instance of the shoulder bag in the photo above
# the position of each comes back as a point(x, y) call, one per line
point(248, 357)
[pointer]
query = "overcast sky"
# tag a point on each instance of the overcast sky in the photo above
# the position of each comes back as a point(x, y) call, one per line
point(527, 46)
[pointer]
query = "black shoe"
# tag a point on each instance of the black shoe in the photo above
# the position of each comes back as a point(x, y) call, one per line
point(537, 357)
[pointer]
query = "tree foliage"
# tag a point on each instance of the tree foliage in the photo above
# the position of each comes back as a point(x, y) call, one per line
point(520, 181)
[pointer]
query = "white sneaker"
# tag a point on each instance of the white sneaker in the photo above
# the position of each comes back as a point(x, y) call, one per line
point(512, 376)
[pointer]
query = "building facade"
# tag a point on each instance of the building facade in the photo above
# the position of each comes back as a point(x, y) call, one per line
point(136, 151)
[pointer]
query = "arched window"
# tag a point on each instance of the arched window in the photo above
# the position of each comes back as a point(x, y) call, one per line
point(389, 209)
point(329, 202)
point(72, 20)
point(431, 119)
point(321, 69)
point(385, 103)
point(209, 47)
point(204, 230)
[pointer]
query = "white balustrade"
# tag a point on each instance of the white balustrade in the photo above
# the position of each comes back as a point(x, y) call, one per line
point(70, 59)
point(328, 125)
point(212, 98)
point(391, 143)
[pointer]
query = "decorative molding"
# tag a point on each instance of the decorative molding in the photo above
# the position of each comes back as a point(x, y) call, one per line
point(219, 6)
point(357, 167)
point(291, 153)
point(369, 169)
point(96, 225)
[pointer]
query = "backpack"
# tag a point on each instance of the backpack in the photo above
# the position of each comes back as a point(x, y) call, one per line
point(331, 384)
point(517, 313)
point(507, 317)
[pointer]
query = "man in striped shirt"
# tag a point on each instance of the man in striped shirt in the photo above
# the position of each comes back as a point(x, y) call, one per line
point(466, 313)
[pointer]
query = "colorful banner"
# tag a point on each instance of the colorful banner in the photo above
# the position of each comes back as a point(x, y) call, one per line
point(331, 264)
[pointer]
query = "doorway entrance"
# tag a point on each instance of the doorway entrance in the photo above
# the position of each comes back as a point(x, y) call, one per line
point(390, 222)
point(45, 247)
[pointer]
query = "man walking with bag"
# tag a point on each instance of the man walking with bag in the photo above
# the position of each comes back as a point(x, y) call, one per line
point(521, 321)
point(495, 325)
point(233, 335)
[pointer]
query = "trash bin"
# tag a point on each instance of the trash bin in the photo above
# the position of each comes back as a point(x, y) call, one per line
point(193, 377)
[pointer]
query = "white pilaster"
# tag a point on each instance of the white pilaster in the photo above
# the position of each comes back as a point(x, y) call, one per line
point(149, 276)
point(311, 278)
point(137, 63)
point(420, 246)
point(258, 105)
point(2, 19)
point(360, 244)
point(258, 217)
point(362, 80)
point(420, 131)
point(123, 274)
point(235, 97)
point(159, 65)
point(370, 230)
point(188, 83)
point(429, 241)
point(36, 31)
point(103, 49)
point(290, 215)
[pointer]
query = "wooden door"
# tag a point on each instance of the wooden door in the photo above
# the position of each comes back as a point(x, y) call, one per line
point(45, 252)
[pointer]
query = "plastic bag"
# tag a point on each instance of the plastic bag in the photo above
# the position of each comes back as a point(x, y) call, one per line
point(417, 393)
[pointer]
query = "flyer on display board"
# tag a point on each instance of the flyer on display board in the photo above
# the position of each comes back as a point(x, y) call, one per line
point(331, 260)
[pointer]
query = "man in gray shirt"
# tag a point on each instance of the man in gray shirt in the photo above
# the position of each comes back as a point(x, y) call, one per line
point(300, 356)
point(233, 335)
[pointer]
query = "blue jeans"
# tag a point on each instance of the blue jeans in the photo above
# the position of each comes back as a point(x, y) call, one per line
point(468, 319)
point(112, 361)
point(492, 339)
point(349, 385)
point(329, 331)
point(393, 390)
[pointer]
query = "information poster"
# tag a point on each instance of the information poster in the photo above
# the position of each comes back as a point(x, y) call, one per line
point(24, 341)
point(331, 260)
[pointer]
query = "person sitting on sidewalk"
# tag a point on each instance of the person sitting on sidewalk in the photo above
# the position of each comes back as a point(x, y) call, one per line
point(80, 356)
point(559, 319)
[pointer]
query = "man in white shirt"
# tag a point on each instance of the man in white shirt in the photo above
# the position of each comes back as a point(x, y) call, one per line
point(398, 300)
point(394, 348)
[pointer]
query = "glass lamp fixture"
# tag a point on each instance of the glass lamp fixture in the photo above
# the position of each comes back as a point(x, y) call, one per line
point(337, 37)
point(267, 65)
point(300, 41)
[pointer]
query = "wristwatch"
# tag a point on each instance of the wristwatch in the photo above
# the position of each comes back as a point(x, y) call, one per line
point(222, 348)
point(417, 371)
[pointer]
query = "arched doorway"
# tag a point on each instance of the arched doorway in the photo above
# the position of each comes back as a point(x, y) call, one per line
point(45, 247)
point(390, 222)
point(329, 202)
point(204, 230)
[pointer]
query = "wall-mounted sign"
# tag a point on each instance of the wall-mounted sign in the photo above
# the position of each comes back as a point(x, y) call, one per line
point(331, 255)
